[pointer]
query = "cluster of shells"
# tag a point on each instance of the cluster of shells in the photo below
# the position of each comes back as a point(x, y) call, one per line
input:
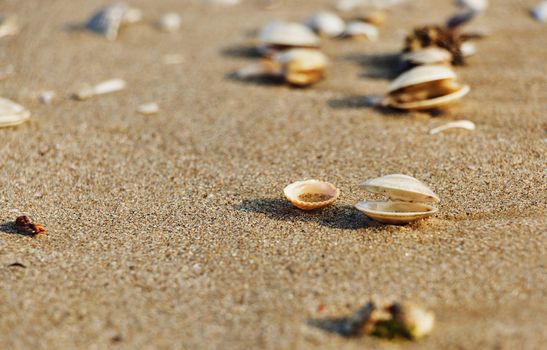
point(408, 199)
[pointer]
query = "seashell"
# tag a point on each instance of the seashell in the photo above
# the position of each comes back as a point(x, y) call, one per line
point(278, 36)
point(222, 2)
point(326, 23)
point(148, 108)
point(430, 55)
point(468, 49)
point(539, 12)
point(108, 20)
point(460, 124)
point(476, 5)
point(376, 18)
point(11, 113)
point(311, 194)
point(105, 87)
point(425, 87)
point(46, 97)
point(409, 200)
point(359, 30)
point(169, 22)
point(8, 26)
point(302, 67)
point(411, 320)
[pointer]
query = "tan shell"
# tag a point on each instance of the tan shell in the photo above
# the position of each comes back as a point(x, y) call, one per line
point(302, 66)
point(430, 55)
point(326, 192)
point(326, 23)
point(437, 102)
point(420, 75)
point(284, 34)
point(11, 113)
point(408, 199)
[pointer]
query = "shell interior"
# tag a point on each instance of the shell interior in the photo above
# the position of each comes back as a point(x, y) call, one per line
point(430, 103)
point(420, 75)
point(401, 187)
point(311, 194)
point(395, 212)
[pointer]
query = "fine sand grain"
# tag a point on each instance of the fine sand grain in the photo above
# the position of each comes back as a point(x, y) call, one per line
point(171, 231)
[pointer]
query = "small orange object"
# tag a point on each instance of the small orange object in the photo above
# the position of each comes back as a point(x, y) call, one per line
point(24, 225)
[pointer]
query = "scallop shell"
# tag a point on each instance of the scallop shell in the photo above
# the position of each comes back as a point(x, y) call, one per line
point(326, 23)
point(11, 113)
point(325, 192)
point(283, 34)
point(420, 75)
point(108, 20)
point(409, 199)
point(430, 55)
point(358, 29)
point(431, 103)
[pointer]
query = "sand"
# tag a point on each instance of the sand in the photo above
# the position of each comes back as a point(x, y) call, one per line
point(171, 232)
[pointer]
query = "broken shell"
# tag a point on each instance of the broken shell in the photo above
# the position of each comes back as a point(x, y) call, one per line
point(415, 321)
point(430, 55)
point(326, 23)
point(169, 22)
point(278, 36)
point(108, 20)
point(360, 30)
point(540, 12)
point(425, 87)
point(311, 194)
point(148, 108)
point(11, 113)
point(460, 124)
point(105, 87)
point(302, 66)
point(408, 200)
point(8, 25)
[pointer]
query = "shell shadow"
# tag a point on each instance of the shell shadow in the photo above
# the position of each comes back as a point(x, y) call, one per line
point(264, 81)
point(350, 326)
point(240, 51)
point(336, 216)
point(10, 228)
point(378, 66)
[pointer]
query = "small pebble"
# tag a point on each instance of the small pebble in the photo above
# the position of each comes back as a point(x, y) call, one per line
point(169, 22)
point(46, 97)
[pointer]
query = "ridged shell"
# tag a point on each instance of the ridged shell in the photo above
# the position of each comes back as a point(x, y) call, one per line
point(430, 55)
point(431, 103)
point(287, 34)
point(294, 191)
point(11, 113)
point(421, 74)
point(326, 23)
point(401, 187)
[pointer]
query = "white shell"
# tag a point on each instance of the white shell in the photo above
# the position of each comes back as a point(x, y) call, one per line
point(539, 12)
point(169, 22)
point(326, 23)
point(421, 74)
point(294, 191)
point(108, 20)
point(8, 25)
point(11, 113)
point(105, 87)
point(430, 55)
point(222, 2)
point(408, 199)
point(431, 103)
point(362, 29)
point(468, 49)
point(460, 124)
point(46, 97)
point(148, 108)
point(476, 5)
point(287, 34)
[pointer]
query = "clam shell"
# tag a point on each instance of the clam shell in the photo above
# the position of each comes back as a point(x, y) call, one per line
point(108, 20)
point(395, 213)
point(287, 34)
point(295, 192)
point(421, 74)
point(430, 55)
point(326, 23)
point(402, 188)
point(302, 66)
point(11, 113)
point(358, 29)
point(431, 103)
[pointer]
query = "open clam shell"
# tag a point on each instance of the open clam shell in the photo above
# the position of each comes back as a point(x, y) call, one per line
point(311, 194)
point(108, 20)
point(420, 75)
point(431, 103)
point(409, 199)
point(326, 24)
point(11, 113)
point(276, 36)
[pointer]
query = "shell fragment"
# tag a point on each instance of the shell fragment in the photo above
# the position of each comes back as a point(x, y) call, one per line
point(460, 124)
point(105, 87)
point(11, 113)
point(311, 194)
point(108, 20)
point(409, 199)
point(148, 108)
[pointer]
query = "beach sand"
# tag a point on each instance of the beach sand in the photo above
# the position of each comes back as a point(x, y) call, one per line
point(171, 231)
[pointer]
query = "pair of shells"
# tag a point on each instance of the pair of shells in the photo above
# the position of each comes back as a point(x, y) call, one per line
point(425, 87)
point(409, 199)
point(11, 113)
point(299, 67)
